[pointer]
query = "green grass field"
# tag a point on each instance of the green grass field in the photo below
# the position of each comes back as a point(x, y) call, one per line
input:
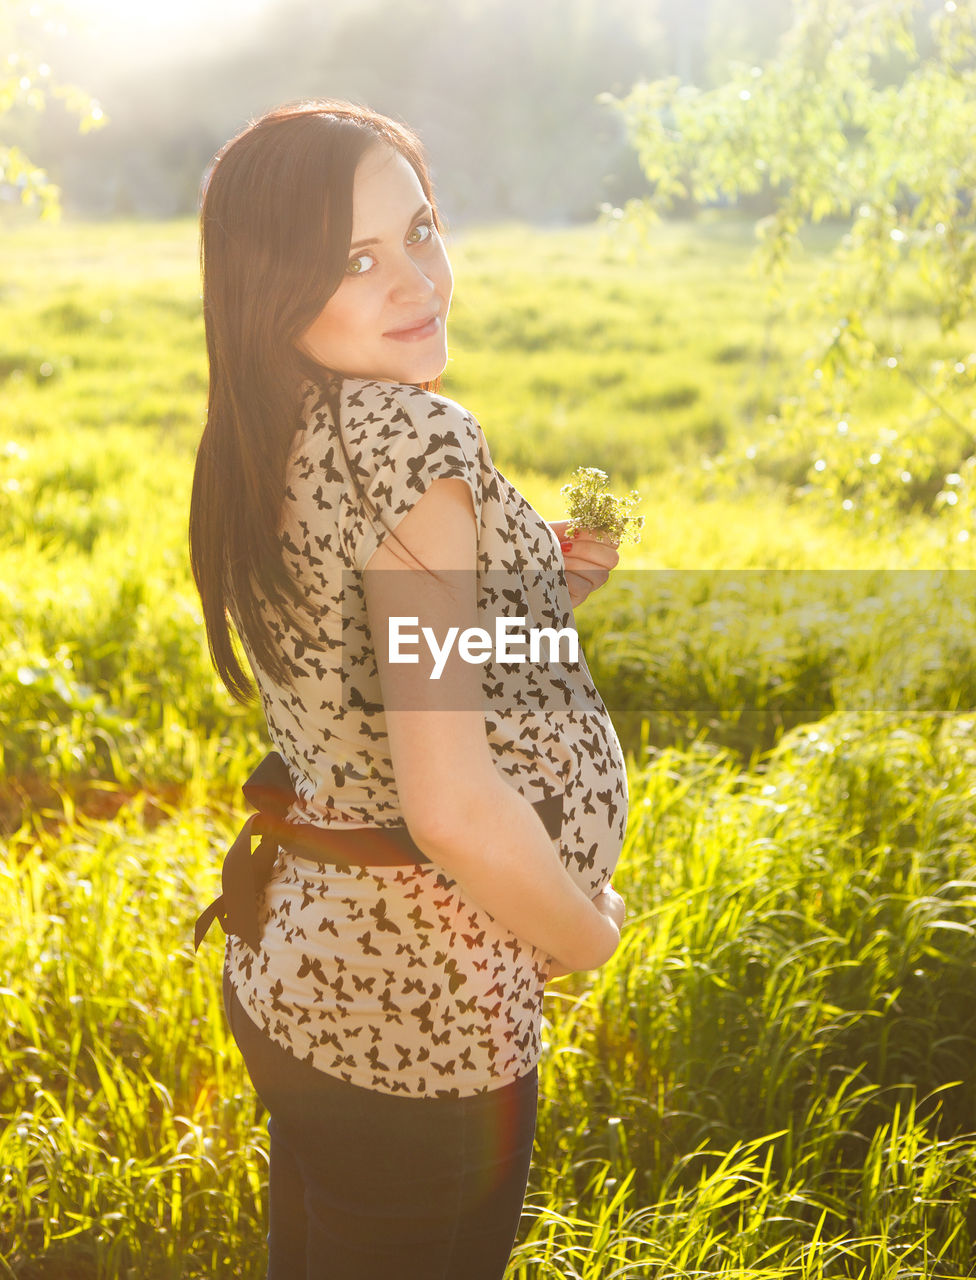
point(773, 1077)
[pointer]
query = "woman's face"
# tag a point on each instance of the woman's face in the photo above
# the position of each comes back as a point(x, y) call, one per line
point(387, 320)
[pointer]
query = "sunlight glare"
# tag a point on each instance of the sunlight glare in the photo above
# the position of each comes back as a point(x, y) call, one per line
point(134, 22)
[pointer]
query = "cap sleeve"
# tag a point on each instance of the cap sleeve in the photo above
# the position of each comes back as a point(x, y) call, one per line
point(400, 440)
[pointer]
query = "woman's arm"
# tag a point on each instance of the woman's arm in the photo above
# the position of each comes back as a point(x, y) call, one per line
point(458, 808)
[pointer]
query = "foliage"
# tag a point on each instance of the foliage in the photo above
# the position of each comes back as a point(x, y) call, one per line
point(26, 83)
point(866, 115)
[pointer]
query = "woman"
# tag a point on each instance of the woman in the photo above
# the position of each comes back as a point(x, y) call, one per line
point(387, 1006)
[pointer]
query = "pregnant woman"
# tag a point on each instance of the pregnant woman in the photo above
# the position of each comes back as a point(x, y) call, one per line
point(443, 847)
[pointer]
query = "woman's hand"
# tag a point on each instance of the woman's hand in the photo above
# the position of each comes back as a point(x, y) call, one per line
point(588, 558)
point(609, 902)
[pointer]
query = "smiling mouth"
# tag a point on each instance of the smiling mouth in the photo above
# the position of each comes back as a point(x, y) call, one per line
point(417, 332)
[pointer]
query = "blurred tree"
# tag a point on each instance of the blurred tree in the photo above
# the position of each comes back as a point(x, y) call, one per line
point(742, 31)
point(867, 114)
point(25, 85)
point(503, 93)
point(686, 23)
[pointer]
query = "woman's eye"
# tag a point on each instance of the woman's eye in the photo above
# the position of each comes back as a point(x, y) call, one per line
point(421, 232)
point(360, 264)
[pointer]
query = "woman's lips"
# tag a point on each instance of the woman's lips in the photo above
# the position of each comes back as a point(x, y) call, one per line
point(417, 332)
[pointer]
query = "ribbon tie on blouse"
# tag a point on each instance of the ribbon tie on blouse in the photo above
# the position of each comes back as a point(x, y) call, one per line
point(244, 874)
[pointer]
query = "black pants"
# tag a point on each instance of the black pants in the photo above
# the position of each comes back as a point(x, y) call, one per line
point(374, 1186)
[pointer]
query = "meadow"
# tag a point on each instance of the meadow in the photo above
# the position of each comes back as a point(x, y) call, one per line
point(773, 1077)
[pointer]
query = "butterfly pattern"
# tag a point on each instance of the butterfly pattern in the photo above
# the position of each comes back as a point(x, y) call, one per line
point(449, 1000)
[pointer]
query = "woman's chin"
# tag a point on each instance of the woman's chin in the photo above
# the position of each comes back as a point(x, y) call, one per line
point(426, 367)
point(414, 373)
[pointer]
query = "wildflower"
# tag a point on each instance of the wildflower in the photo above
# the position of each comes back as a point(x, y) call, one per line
point(591, 507)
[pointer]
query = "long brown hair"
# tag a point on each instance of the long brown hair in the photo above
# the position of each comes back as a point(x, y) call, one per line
point(275, 229)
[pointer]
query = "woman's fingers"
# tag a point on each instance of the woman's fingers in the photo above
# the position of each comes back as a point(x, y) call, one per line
point(580, 585)
point(584, 550)
point(587, 560)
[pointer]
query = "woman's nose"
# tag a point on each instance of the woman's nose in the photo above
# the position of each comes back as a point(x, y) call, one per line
point(412, 283)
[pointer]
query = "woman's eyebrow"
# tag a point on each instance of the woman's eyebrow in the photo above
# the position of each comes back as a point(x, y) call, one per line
point(361, 244)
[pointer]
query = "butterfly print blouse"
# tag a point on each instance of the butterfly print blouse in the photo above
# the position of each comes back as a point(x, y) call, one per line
point(387, 976)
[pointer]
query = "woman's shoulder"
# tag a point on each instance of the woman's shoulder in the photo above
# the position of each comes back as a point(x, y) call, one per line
point(361, 399)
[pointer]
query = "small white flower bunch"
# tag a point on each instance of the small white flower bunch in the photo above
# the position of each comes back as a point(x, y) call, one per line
point(592, 507)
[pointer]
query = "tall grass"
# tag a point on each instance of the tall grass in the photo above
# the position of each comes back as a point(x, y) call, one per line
point(742, 656)
point(104, 668)
point(772, 1078)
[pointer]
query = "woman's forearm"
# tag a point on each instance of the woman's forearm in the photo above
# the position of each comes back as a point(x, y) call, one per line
point(495, 846)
